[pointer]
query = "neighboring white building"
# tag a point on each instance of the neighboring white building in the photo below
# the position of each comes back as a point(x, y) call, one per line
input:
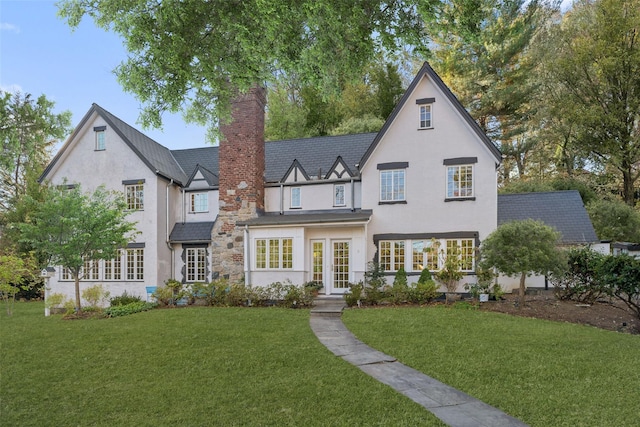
point(321, 209)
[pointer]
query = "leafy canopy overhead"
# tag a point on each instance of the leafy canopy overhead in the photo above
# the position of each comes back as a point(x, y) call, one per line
point(192, 56)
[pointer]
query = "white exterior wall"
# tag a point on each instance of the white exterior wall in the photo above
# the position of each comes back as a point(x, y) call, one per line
point(425, 190)
point(317, 195)
point(82, 163)
point(264, 277)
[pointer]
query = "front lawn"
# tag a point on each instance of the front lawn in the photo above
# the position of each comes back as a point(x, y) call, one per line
point(193, 366)
point(544, 373)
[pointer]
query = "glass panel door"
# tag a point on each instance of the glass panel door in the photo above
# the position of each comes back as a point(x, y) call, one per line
point(341, 265)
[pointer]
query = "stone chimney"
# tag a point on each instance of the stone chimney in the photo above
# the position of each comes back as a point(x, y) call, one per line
point(241, 181)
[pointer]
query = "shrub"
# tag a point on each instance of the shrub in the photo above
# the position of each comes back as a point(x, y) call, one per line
point(124, 299)
point(130, 308)
point(95, 295)
point(400, 289)
point(425, 276)
point(54, 300)
point(353, 296)
point(450, 275)
point(375, 283)
point(620, 275)
point(423, 292)
point(580, 281)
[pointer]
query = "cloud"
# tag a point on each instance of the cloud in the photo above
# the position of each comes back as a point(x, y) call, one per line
point(5, 26)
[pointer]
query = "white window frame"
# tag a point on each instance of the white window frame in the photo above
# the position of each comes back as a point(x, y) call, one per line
point(196, 265)
point(134, 194)
point(113, 268)
point(134, 264)
point(425, 258)
point(455, 188)
point(199, 202)
point(296, 197)
point(426, 116)
point(337, 194)
point(398, 192)
point(101, 142)
point(274, 253)
point(397, 253)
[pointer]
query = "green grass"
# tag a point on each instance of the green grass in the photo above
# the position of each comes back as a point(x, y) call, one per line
point(195, 366)
point(544, 373)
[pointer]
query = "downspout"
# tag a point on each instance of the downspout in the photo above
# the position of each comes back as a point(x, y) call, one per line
point(184, 206)
point(169, 245)
point(247, 260)
point(281, 199)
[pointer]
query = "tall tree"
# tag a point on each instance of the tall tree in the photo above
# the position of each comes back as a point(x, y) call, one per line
point(70, 227)
point(594, 57)
point(480, 48)
point(28, 130)
point(193, 56)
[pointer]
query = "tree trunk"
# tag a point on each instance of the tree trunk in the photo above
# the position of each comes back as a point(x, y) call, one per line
point(523, 289)
point(76, 278)
point(628, 190)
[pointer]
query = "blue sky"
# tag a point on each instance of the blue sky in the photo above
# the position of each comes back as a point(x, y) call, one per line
point(39, 54)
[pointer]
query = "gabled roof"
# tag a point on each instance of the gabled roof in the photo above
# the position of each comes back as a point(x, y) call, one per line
point(157, 157)
point(426, 70)
point(295, 168)
point(562, 210)
point(210, 177)
point(339, 168)
point(191, 232)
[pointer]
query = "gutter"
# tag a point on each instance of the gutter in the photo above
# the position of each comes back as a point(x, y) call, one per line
point(169, 245)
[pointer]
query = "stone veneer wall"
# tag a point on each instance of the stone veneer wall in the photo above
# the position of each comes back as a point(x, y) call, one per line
point(241, 180)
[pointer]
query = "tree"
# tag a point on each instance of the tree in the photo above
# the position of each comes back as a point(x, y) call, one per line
point(15, 275)
point(614, 220)
point(70, 228)
point(522, 248)
point(194, 56)
point(594, 56)
point(28, 130)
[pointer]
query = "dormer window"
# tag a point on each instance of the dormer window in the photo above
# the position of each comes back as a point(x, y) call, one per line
point(425, 106)
point(199, 202)
point(100, 137)
point(338, 195)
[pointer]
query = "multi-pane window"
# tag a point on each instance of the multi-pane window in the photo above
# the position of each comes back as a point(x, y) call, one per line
point(66, 274)
point(274, 253)
point(135, 264)
point(296, 200)
point(338, 195)
point(199, 202)
point(464, 250)
point(391, 255)
point(196, 264)
point(425, 116)
point(392, 185)
point(460, 181)
point(90, 269)
point(100, 140)
point(425, 255)
point(135, 196)
point(113, 269)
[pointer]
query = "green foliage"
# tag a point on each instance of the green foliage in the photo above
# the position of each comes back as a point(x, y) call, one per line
point(129, 308)
point(322, 43)
point(620, 276)
point(423, 292)
point(95, 296)
point(353, 125)
point(522, 248)
point(70, 226)
point(124, 299)
point(614, 220)
point(375, 282)
point(580, 281)
point(15, 274)
point(425, 276)
point(354, 295)
point(171, 293)
point(54, 300)
point(587, 193)
point(450, 274)
point(400, 288)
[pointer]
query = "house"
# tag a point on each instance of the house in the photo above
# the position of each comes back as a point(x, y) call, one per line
point(562, 210)
point(315, 209)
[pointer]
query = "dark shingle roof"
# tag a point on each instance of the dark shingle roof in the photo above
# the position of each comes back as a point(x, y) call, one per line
point(562, 210)
point(191, 232)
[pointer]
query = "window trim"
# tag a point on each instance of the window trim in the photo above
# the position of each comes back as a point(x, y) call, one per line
point(263, 260)
point(426, 123)
point(101, 138)
point(299, 198)
point(450, 196)
point(192, 202)
point(200, 266)
point(135, 201)
point(335, 195)
point(394, 197)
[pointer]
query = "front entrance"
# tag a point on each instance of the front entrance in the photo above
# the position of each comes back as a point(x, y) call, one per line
point(333, 270)
point(341, 267)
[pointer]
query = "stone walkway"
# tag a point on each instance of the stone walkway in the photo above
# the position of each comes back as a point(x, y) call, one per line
point(453, 407)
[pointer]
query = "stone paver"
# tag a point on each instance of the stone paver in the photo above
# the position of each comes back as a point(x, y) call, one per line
point(452, 406)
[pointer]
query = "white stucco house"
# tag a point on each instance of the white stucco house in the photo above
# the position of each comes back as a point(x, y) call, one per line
point(316, 209)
